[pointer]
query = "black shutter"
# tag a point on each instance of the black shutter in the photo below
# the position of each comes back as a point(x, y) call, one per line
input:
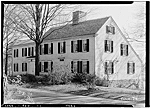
point(112, 64)
point(17, 52)
point(17, 67)
point(133, 68)
point(121, 49)
point(58, 48)
point(51, 66)
point(72, 66)
point(32, 51)
point(22, 52)
point(78, 45)
point(29, 51)
point(106, 68)
point(126, 50)
point(87, 45)
point(111, 46)
point(88, 67)
point(128, 68)
point(25, 66)
point(25, 51)
point(22, 67)
point(40, 66)
point(14, 67)
point(72, 46)
point(51, 48)
point(64, 47)
point(107, 29)
point(113, 30)
point(78, 66)
point(105, 44)
point(14, 53)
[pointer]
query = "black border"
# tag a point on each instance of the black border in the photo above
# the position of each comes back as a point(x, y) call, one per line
point(73, 2)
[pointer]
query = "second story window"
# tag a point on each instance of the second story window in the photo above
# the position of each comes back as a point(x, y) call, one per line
point(31, 51)
point(15, 67)
point(110, 29)
point(80, 46)
point(124, 49)
point(50, 51)
point(109, 67)
point(61, 47)
point(24, 67)
point(24, 52)
point(130, 68)
point(108, 46)
point(16, 53)
point(45, 48)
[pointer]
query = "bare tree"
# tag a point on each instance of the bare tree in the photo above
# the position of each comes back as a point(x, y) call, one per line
point(35, 19)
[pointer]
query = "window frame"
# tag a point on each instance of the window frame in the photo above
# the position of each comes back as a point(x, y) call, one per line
point(108, 46)
point(61, 47)
point(110, 29)
point(124, 49)
point(16, 68)
point(130, 67)
point(109, 65)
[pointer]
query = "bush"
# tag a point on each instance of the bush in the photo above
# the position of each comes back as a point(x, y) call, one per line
point(28, 78)
point(101, 82)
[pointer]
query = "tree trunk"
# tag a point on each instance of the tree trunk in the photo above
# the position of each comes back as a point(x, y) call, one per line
point(37, 59)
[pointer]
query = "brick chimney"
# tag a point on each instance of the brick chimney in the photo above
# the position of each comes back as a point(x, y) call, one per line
point(78, 16)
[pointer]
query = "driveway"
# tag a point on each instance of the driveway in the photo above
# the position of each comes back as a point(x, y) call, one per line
point(50, 97)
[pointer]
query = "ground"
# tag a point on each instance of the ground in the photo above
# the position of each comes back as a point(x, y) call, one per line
point(76, 94)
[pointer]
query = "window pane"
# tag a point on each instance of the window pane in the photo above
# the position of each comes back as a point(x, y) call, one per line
point(84, 66)
point(45, 48)
point(45, 66)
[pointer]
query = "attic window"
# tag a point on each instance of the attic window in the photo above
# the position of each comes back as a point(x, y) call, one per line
point(110, 29)
point(124, 49)
point(130, 68)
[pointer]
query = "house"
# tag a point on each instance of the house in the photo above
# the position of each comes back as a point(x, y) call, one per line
point(94, 46)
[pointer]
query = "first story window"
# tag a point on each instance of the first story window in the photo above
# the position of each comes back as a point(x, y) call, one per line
point(46, 66)
point(80, 66)
point(24, 67)
point(15, 67)
point(109, 67)
point(108, 46)
point(124, 49)
point(130, 68)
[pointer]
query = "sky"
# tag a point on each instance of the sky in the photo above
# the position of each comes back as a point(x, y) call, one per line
point(123, 14)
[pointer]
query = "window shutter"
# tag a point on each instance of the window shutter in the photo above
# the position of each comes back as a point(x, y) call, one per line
point(40, 49)
point(113, 30)
point(121, 49)
point(111, 46)
point(78, 66)
point(64, 47)
point(17, 67)
point(88, 67)
point(32, 51)
point(133, 68)
point(29, 51)
point(22, 52)
point(87, 45)
point(112, 67)
point(106, 68)
point(126, 50)
point(22, 67)
point(51, 66)
point(25, 66)
point(78, 45)
point(72, 46)
point(128, 68)
point(58, 48)
point(14, 67)
point(40, 67)
point(107, 29)
point(105, 44)
point(51, 48)
point(25, 51)
point(72, 66)
point(17, 52)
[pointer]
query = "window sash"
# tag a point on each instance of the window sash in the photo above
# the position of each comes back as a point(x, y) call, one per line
point(109, 67)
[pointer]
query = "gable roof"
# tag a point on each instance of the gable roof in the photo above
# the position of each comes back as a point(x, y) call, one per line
point(80, 29)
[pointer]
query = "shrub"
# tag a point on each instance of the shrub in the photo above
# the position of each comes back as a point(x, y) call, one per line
point(79, 78)
point(28, 78)
point(101, 82)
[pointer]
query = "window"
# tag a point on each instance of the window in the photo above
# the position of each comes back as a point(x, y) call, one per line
point(24, 67)
point(80, 46)
point(46, 66)
point(108, 46)
point(109, 67)
point(61, 47)
point(41, 49)
point(124, 49)
point(110, 29)
point(24, 52)
point(45, 48)
point(50, 48)
point(15, 67)
point(80, 66)
point(130, 68)
point(16, 53)
point(30, 51)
